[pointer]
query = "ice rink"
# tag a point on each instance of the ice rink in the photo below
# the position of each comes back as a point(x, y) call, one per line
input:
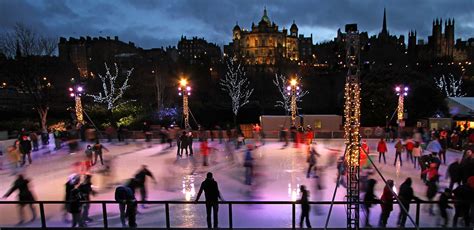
point(278, 173)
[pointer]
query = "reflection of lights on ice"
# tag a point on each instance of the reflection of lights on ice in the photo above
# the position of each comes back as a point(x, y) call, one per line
point(188, 188)
point(398, 169)
point(293, 192)
point(294, 196)
point(394, 188)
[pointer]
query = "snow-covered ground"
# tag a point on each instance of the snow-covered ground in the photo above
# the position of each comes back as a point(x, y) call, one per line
point(279, 174)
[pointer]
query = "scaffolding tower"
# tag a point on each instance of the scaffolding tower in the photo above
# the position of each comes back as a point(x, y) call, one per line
point(352, 124)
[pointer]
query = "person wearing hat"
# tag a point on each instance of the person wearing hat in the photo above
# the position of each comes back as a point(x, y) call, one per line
point(212, 194)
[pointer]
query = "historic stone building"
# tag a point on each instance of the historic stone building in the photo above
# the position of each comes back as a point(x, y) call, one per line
point(265, 44)
point(440, 45)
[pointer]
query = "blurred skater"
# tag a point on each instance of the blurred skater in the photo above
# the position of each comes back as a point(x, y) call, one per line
point(24, 195)
point(305, 208)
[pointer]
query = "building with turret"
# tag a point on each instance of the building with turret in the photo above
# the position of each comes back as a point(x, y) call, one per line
point(440, 46)
point(266, 44)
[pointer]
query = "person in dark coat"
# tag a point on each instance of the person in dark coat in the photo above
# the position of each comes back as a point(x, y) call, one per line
point(212, 194)
point(248, 165)
point(189, 138)
point(184, 143)
point(304, 201)
point(147, 132)
point(86, 190)
point(98, 152)
point(405, 195)
point(369, 200)
point(178, 144)
point(431, 191)
point(443, 205)
point(467, 165)
point(463, 198)
point(24, 195)
point(73, 180)
point(125, 195)
point(454, 173)
point(140, 179)
point(75, 208)
point(25, 149)
point(386, 203)
point(312, 160)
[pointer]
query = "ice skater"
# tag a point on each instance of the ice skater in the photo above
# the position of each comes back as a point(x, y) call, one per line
point(140, 179)
point(369, 200)
point(24, 195)
point(305, 208)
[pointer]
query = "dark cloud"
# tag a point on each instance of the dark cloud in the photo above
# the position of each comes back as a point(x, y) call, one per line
point(152, 23)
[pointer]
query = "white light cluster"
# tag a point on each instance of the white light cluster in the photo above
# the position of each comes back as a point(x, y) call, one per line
point(112, 93)
point(450, 86)
point(236, 85)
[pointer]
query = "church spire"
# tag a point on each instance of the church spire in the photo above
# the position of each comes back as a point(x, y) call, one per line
point(384, 25)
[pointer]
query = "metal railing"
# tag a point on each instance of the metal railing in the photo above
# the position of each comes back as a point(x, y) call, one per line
point(228, 203)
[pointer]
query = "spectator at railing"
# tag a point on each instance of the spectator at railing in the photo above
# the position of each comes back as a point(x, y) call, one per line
point(212, 193)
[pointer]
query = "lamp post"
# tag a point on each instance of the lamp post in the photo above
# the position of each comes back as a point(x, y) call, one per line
point(185, 90)
point(76, 92)
point(401, 92)
point(293, 92)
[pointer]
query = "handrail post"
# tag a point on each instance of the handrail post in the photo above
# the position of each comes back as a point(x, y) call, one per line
point(42, 216)
point(417, 217)
point(104, 215)
point(167, 212)
point(293, 215)
point(230, 215)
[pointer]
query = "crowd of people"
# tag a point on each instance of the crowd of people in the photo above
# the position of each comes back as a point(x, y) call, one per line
point(425, 153)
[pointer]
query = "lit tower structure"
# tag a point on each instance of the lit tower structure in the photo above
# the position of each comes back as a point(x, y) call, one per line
point(401, 91)
point(76, 92)
point(293, 91)
point(185, 90)
point(352, 125)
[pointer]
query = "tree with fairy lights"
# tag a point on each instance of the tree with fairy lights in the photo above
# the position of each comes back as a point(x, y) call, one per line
point(281, 82)
point(112, 91)
point(237, 85)
point(450, 85)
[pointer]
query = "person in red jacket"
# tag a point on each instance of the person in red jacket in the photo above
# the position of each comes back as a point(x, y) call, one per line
point(382, 149)
point(386, 203)
point(205, 152)
point(409, 145)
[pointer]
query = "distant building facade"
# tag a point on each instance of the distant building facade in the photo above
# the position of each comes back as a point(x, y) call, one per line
point(85, 51)
point(265, 44)
point(194, 50)
point(440, 45)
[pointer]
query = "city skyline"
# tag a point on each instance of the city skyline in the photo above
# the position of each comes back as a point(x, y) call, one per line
point(160, 23)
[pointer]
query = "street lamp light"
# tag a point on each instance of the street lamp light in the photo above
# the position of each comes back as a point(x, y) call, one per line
point(76, 92)
point(185, 90)
point(293, 91)
point(401, 92)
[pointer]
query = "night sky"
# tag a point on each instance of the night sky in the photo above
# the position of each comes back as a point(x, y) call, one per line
point(151, 23)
